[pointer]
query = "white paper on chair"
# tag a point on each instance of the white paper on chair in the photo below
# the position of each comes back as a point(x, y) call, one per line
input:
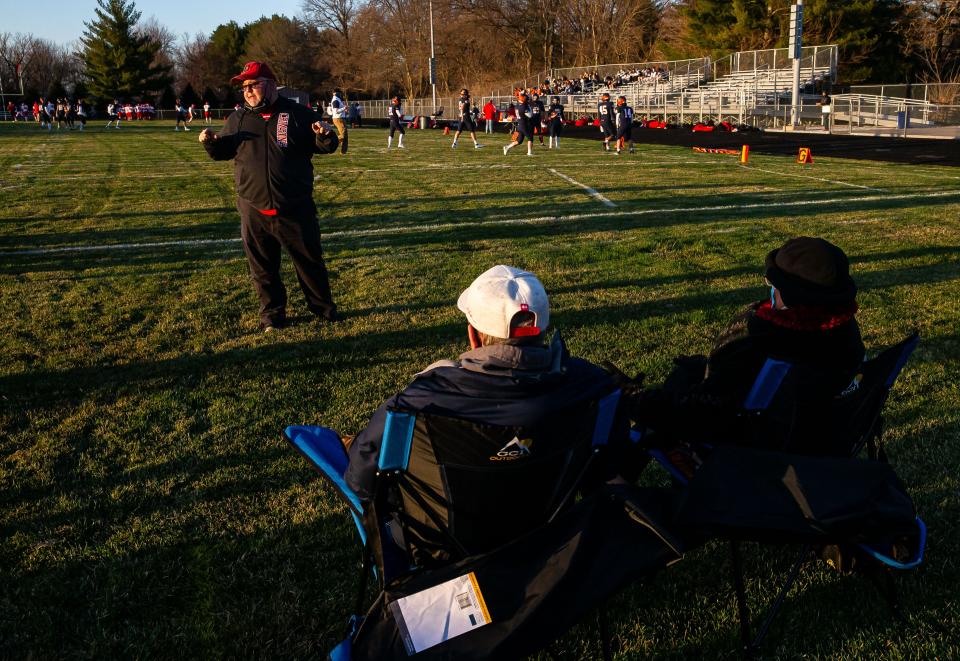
point(440, 613)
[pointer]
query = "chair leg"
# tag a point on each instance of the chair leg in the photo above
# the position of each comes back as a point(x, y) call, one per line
point(362, 582)
point(603, 629)
point(778, 602)
point(742, 610)
point(883, 580)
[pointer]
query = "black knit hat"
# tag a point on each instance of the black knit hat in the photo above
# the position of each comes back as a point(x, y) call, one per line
point(811, 271)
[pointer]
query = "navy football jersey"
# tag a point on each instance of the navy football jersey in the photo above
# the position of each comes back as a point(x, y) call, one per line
point(605, 108)
point(524, 113)
point(464, 104)
point(536, 107)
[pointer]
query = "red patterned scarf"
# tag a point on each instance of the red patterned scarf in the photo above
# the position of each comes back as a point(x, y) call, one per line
point(808, 317)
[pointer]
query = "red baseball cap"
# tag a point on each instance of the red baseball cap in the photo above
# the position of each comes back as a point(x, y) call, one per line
point(252, 71)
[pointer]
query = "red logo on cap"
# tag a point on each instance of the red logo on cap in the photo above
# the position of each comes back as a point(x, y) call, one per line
point(524, 307)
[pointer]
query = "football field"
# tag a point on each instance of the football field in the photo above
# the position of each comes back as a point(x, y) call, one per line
point(149, 506)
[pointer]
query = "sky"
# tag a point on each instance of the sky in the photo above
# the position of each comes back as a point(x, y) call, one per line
point(61, 21)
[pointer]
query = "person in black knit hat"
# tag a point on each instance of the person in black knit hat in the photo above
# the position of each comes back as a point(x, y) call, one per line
point(808, 320)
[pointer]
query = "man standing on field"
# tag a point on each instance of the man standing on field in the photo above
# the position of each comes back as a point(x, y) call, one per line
point(338, 112)
point(272, 141)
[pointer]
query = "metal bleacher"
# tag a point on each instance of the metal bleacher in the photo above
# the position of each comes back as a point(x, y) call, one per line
point(739, 87)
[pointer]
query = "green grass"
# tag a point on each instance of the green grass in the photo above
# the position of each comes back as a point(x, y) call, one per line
point(148, 506)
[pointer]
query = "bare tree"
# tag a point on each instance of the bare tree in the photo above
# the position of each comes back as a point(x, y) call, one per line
point(44, 65)
point(290, 46)
point(336, 15)
point(931, 32)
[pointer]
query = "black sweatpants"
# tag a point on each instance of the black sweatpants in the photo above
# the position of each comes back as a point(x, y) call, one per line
point(263, 237)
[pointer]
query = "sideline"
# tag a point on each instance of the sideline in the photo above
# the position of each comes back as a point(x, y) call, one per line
point(495, 221)
point(590, 191)
point(806, 176)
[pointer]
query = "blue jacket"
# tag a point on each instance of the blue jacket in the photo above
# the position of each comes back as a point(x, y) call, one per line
point(498, 385)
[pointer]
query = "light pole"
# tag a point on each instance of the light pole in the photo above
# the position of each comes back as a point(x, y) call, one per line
point(796, 50)
point(433, 63)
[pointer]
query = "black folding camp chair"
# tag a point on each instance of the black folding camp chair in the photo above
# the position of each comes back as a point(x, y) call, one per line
point(455, 499)
point(777, 412)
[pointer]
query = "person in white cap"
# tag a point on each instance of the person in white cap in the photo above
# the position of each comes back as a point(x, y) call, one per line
point(510, 375)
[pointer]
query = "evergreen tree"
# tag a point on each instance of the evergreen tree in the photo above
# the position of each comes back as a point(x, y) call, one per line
point(223, 55)
point(166, 98)
point(119, 62)
point(724, 26)
point(865, 31)
point(189, 95)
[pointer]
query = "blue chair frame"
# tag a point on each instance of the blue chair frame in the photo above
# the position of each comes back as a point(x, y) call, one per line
point(765, 388)
point(325, 452)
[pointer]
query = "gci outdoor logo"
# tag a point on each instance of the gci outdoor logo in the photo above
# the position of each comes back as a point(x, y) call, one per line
point(515, 449)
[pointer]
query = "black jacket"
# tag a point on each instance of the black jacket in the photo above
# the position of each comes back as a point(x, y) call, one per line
point(272, 166)
point(703, 398)
point(498, 385)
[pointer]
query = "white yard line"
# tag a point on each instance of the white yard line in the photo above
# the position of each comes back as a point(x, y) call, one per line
point(176, 175)
point(121, 246)
point(806, 176)
point(495, 221)
point(497, 166)
point(914, 171)
point(590, 191)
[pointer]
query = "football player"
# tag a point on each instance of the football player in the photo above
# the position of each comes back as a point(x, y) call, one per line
point(624, 124)
point(466, 120)
point(555, 121)
point(605, 112)
point(539, 115)
point(524, 118)
point(396, 116)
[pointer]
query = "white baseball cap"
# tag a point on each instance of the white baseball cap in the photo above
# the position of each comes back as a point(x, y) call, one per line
point(492, 300)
